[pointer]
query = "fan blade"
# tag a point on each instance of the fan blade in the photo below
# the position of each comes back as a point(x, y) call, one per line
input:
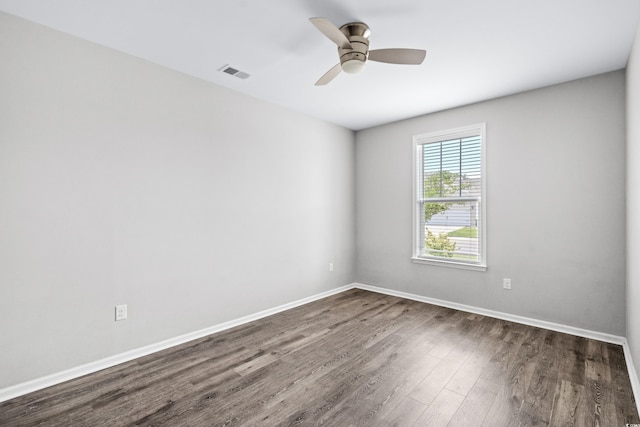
point(398, 56)
point(329, 75)
point(327, 28)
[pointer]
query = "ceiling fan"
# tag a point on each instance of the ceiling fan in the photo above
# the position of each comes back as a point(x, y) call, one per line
point(353, 48)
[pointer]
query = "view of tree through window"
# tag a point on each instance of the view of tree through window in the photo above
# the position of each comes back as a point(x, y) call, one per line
point(449, 198)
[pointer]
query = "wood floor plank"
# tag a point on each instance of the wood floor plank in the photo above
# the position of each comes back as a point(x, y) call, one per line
point(621, 386)
point(441, 410)
point(476, 404)
point(434, 383)
point(520, 369)
point(352, 359)
point(538, 401)
point(568, 405)
point(406, 413)
point(504, 410)
point(507, 343)
point(598, 383)
point(415, 374)
point(467, 376)
point(572, 367)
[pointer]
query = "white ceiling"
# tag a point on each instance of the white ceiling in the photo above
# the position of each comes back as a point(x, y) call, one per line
point(476, 49)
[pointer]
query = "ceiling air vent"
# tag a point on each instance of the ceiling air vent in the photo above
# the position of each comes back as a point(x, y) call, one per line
point(234, 72)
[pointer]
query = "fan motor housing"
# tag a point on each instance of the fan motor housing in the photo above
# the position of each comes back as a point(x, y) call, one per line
point(358, 35)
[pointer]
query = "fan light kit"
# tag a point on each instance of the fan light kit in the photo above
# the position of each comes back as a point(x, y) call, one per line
point(352, 40)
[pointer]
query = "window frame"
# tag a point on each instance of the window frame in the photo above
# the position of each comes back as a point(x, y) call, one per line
point(418, 233)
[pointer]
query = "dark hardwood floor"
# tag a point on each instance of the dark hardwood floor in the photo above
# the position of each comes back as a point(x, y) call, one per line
point(357, 358)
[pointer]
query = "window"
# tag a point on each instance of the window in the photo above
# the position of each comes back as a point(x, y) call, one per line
point(449, 208)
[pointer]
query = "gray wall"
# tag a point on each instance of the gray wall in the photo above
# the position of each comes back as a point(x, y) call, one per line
point(633, 202)
point(122, 182)
point(555, 206)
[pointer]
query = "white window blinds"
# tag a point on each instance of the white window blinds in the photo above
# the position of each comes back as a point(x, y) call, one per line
point(449, 196)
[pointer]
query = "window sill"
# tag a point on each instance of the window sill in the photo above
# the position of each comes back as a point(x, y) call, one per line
point(450, 264)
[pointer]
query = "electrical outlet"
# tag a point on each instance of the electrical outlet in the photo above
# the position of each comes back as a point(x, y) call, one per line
point(506, 283)
point(121, 312)
point(330, 266)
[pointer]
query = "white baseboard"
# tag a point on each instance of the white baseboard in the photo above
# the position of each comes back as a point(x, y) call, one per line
point(60, 377)
point(633, 374)
point(499, 315)
point(614, 339)
point(57, 378)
